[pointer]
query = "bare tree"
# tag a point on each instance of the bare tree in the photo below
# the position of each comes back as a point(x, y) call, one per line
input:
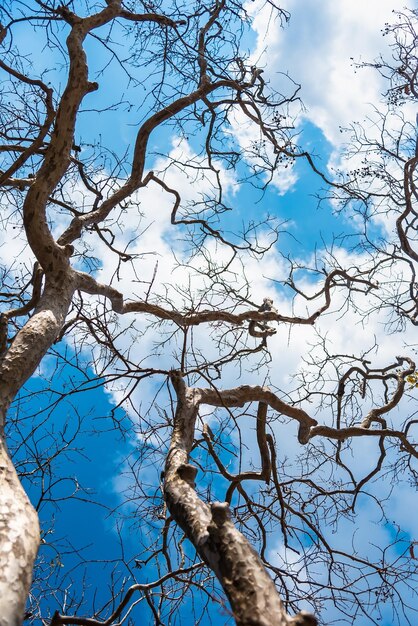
point(70, 199)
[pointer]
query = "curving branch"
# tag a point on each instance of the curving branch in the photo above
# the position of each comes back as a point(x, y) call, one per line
point(124, 603)
point(410, 192)
point(6, 177)
point(239, 569)
point(88, 284)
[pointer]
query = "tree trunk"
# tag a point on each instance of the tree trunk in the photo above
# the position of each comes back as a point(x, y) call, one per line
point(19, 525)
point(19, 542)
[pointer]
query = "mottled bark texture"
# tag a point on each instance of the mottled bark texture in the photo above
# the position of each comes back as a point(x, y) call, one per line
point(19, 526)
point(19, 541)
point(33, 340)
point(251, 592)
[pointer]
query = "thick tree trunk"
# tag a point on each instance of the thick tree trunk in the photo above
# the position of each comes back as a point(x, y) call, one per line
point(19, 525)
point(19, 542)
point(250, 590)
point(33, 340)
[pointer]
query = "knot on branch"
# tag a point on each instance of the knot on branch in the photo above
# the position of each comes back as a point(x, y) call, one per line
point(187, 473)
point(92, 86)
point(220, 513)
point(304, 619)
point(260, 328)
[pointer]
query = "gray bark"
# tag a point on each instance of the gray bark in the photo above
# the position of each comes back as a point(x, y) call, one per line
point(19, 526)
point(19, 541)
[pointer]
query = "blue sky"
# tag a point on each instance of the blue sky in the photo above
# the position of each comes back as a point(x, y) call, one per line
point(315, 49)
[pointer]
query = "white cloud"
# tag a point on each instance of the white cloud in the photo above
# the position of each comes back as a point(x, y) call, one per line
point(316, 50)
point(283, 178)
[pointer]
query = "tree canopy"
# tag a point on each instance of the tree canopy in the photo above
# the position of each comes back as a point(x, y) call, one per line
point(237, 389)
